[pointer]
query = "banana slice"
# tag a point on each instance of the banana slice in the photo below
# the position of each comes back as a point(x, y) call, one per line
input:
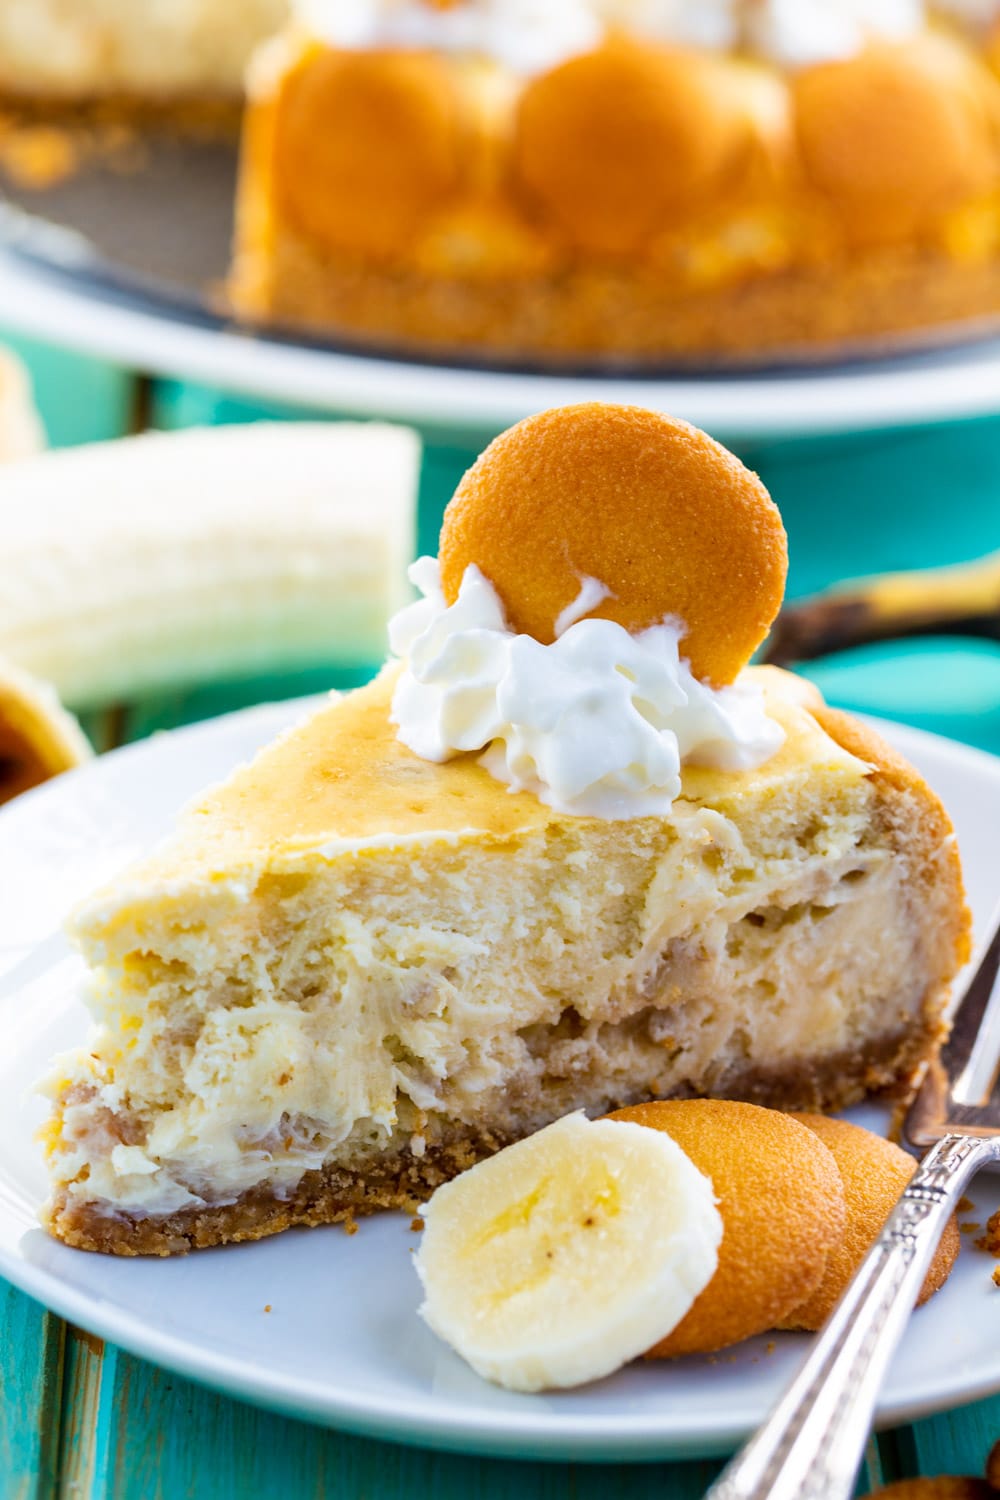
point(568, 1254)
point(38, 738)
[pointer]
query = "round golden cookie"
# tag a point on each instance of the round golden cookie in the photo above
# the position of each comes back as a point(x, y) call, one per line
point(898, 134)
point(614, 144)
point(367, 145)
point(666, 519)
point(874, 1173)
point(782, 1208)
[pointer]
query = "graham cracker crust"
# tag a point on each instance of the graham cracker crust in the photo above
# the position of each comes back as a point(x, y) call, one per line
point(885, 301)
point(402, 1180)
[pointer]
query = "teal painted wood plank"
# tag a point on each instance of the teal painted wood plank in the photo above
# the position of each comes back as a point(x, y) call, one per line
point(873, 1468)
point(231, 1451)
point(856, 505)
point(128, 1431)
point(174, 710)
point(185, 404)
point(31, 1350)
point(178, 403)
point(443, 467)
point(81, 400)
point(955, 1442)
point(949, 687)
point(881, 501)
point(86, 1416)
point(173, 1441)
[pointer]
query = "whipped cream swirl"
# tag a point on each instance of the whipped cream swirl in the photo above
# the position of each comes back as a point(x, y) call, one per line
point(527, 36)
point(597, 724)
point(798, 33)
point(714, 24)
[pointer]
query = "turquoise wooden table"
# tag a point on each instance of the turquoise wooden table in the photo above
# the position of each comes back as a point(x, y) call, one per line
point(81, 1420)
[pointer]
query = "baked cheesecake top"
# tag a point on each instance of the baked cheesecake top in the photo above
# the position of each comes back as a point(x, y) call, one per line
point(507, 711)
point(342, 785)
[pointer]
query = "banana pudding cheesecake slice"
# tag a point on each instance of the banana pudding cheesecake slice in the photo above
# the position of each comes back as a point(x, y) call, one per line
point(566, 852)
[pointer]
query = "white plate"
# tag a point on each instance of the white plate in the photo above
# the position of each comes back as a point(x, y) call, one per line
point(75, 313)
point(343, 1342)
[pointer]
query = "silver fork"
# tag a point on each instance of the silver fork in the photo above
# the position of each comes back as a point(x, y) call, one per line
point(811, 1445)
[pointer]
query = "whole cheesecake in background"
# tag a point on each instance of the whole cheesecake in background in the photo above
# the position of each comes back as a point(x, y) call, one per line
point(628, 180)
point(137, 52)
point(516, 875)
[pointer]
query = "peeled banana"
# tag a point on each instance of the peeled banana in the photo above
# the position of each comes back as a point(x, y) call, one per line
point(171, 559)
point(569, 1253)
point(38, 738)
point(963, 599)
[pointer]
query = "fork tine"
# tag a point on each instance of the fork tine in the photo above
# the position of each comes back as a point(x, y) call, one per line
point(971, 1054)
point(955, 1092)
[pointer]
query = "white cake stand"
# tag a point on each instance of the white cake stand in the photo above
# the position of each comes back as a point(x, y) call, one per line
point(77, 313)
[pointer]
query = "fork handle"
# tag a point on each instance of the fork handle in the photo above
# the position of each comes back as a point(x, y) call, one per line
point(810, 1447)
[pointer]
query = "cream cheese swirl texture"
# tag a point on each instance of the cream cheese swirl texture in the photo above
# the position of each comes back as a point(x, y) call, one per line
point(597, 724)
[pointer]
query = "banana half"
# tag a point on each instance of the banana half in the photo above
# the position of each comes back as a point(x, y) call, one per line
point(568, 1254)
point(38, 738)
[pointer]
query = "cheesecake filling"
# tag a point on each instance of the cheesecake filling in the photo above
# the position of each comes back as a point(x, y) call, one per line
point(220, 1063)
point(598, 724)
point(260, 1015)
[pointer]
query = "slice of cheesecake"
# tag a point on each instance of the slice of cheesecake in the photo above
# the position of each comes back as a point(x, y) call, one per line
point(351, 972)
